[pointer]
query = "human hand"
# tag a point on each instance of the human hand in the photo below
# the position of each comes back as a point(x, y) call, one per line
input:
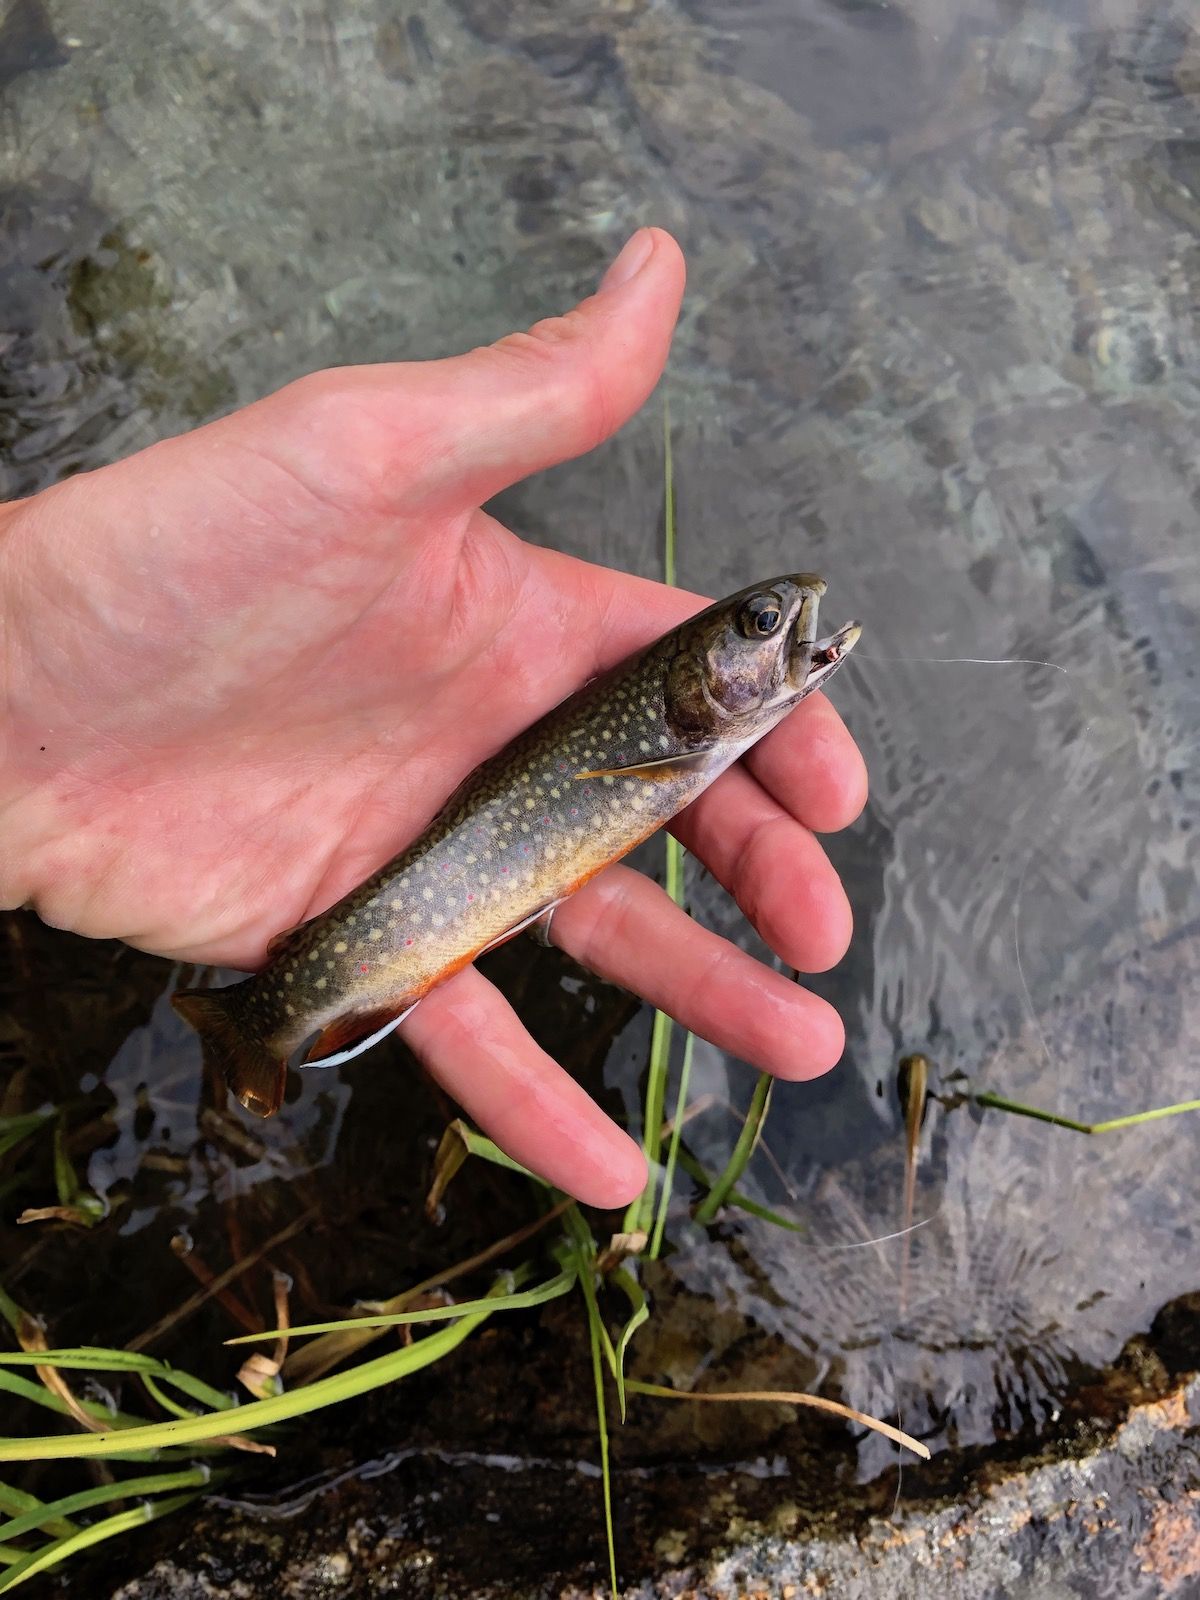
point(244, 667)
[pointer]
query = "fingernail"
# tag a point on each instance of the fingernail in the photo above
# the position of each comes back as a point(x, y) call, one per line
point(630, 262)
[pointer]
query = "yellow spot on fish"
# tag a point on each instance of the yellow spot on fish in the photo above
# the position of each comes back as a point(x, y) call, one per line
point(438, 920)
point(426, 894)
point(375, 933)
point(320, 983)
point(289, 977)
point(314, 953)
point(529, 804)
point(644, 746)
point(341, 947)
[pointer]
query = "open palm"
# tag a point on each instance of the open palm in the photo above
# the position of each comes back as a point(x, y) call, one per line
point(244, 667)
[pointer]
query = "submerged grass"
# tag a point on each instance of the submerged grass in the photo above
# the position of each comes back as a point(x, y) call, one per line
point(997, 1102)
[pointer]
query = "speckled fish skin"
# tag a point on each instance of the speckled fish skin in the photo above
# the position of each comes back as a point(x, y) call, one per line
point(572, 794)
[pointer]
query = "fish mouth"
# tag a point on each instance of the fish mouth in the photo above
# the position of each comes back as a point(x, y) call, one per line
point(814, 661)
point(828, 654)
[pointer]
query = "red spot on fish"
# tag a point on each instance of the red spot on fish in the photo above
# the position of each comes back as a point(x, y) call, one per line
point(470, 897)
point(445, 866)
point(407, 941)
point(363, 967)
point(574, 811)
point(503, 869)
point(525, 849)
point(545, 819)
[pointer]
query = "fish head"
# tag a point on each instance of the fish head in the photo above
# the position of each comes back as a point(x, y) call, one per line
point(746, 661)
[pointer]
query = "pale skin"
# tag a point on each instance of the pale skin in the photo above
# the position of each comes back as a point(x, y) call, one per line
point(243, 668)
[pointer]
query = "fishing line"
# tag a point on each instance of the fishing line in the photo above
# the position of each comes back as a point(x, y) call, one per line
point(884, 1238)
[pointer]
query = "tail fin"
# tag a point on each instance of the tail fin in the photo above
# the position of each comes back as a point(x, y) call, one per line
point(254, 1075)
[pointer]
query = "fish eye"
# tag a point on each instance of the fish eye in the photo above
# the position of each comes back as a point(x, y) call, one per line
point(760, 617)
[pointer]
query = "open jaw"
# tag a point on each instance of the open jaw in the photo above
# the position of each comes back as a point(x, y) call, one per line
point(828, 654)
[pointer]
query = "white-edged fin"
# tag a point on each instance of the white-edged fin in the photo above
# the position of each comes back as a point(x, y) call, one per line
point(519, 927)
point(353, 1050)
point(661, 768)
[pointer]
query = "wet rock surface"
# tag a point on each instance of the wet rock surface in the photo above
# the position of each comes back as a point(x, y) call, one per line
point(1107, 1502)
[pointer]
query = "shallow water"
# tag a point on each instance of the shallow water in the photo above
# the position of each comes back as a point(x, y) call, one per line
point(940, 344)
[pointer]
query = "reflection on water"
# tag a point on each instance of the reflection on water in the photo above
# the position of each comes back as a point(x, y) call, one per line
point(940, 344)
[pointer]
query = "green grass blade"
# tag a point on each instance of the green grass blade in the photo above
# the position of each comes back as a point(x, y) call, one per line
point(735, 1197)
point(998, 1103)
point(88, 1499)
point(760, 1103)
point(242, 1419)
point(639, 1215)
point(550, 1290)
point(668, 1183)
point(16, 1502)
point(595, 1340)
point(14, 1129)
point(89, 1358)
point(37, 1394)
point(95, 1358)
point(668, 497)
point(487, 1150)
point(50, 1555)
point(639, 1313)
point(157, 1392)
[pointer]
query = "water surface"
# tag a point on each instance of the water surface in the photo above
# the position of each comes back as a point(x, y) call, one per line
point(939, 344)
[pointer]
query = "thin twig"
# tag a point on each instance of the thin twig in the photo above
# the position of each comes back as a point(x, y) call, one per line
point(221, 1281)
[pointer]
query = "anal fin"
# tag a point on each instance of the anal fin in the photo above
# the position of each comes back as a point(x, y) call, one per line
point(349, 1035)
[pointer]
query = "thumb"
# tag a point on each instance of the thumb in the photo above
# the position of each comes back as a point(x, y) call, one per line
point(485, 420)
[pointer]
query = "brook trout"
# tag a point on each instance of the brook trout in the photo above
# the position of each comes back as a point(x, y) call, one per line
point(572, 794)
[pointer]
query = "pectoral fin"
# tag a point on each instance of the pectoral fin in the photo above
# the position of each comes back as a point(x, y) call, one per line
point(531, 922)
point(278, 940)
point(659, 770)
